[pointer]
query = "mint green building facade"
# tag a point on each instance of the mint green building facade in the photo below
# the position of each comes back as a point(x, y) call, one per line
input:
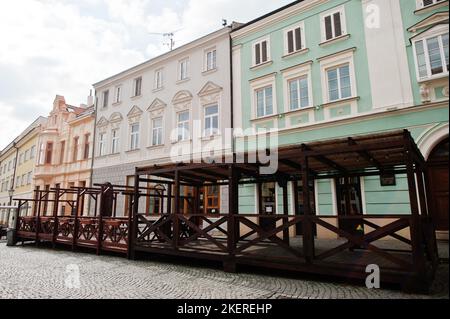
point(320, 70)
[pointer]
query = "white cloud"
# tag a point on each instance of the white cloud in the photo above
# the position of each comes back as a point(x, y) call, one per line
point(51, 47)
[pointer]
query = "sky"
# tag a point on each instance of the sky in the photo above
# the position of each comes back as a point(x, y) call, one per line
point(62, 47)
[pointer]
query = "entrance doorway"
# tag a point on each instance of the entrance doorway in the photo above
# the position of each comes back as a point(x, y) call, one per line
point(438, 183)
point(349, 200)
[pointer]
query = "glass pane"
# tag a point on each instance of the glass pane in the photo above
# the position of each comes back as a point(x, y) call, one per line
point(290, 39)
point(434, 53)
point(215, 121)
point(269, 102)
point(210, 110)
point(294, 97)
point(260, 103)
point(421, 61)
point(445, 45)
point(337, 24)
point(304, 92)
point(184, 116)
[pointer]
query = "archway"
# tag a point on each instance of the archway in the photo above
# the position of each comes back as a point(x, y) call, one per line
point(439, 189)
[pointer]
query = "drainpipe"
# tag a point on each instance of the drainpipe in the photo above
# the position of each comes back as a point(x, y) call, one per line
point(231, 91)
point(91, 182)
point(13, 183)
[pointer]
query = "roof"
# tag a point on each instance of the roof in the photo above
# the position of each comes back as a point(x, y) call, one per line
point(373, 154)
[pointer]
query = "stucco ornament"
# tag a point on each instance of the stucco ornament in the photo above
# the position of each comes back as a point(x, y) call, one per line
point(210, 93)
point(445, 91)
point(115, 120)
point(157, 108)
point(135, 114)
point(182, 101)
point(425, 93)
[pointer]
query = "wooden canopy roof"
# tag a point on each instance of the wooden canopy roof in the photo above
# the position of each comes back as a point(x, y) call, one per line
point(365, 155)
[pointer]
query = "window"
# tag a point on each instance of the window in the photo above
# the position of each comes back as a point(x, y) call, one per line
point(211, 60)
point(158, 79)
point(27, 155)
point(211, 120)
point(48, 153)
point(137, 87)
point(333, 25)
point(101, 144)
point(134, 143)
point(115, 141)
point(24, 179)
point(29, 178)
point(86, 146)
point(432, 56)
point(32, 151)
point(261, 52)
point(18, 181)
point(339, 84)
point(183, 126)
point(157, 131)
point(42, 154)
point(298, 93)
point(427, 3)
point(105, 99)
point(183, 69)
point(295, 40)
point(63, 149)
point(264, 102)
point(118, 95)
point(20, 159)
point(75, 148)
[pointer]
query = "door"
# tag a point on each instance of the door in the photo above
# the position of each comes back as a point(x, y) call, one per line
point(439, 189)
point(349, 199)
point(267, 205)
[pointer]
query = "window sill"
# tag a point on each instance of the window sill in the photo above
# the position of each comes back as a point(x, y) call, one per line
point(182, 81)
point(298, 111)
point(133, 151)
point(433, 78)
point(267, 117)
point(117, 103)
point(182, 142)
point(136, 97)
point(296, 53)
point(207, 72)
point(152, 147)
point(262, 65)
point(210, 137)
point(158, 89)
point(431, 7)
point(341, 101)
point(335, 40)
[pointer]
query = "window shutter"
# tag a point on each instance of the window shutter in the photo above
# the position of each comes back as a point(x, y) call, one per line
point(337, 24)
point(264, 51)
point(290, 39)
point(427, 2)
point(298, 39)
point(258, 53)
point(328, 28)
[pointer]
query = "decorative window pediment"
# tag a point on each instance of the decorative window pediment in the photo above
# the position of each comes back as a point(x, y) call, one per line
point(135, 114)
point(157, 107)
point(437, 18)
point(432, 31)
point(210, 88)
point(115, 117)
point(102, 122)
point(182, 100)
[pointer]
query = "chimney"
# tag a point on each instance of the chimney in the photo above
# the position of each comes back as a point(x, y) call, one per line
point(90, 99)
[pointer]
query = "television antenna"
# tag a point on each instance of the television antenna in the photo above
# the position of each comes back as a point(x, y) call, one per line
point(169, 36)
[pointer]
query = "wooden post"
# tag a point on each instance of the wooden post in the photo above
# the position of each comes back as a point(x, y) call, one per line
point(100, 219)
point(38, 217)
point(130, 224)
point(133, 235)
point(285, 212)
point(229, 263)
point(176, 222)
point(76, 226)
point(421, 188)
point(308, 234)
point(169, 198)
point(55, 218)
point(296, 211)
point(415, 227)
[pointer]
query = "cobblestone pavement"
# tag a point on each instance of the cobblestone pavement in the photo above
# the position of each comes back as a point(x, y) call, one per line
point(30, 272)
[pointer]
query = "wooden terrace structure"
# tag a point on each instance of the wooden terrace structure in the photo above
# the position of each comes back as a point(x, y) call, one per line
point(402, 245)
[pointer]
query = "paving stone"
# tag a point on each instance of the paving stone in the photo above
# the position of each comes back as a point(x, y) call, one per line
point(36, 272)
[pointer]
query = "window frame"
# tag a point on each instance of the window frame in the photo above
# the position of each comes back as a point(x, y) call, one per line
point(212, 131)
point(102, 144)
point(439, 33)
point(323, 16)
point(188, 122)
point(180, 77)
point(159, 79)
point(255, 93)
point(115, 140)
point(136, 81)
point(213, 67)
point(134, 136)
point(159, 131)
point(338, 69)
point(118, 94)
point(105, 99)
point(301, 26)
point(260, 42)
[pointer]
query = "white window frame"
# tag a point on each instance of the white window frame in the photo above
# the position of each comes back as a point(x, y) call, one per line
point(420, 3)
point(213, 52)
point(188, 122)
point(260, 84)
point(211, 131)
point(115, 141)
point(183, 74)
point(436, 32)
point(331, 13)
point(135, 82)
point(293, 74)
point(159, 131)
point(338, 69)
point(102, 144)
point(159, 79)
point(134, 136)
point(118, 94)
point(105, 99)
point(269, 56)
point(336, 61)
point(292, 28)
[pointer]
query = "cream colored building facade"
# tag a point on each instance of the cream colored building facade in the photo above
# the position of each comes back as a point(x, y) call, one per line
point(65, 148)
point(17, 164)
